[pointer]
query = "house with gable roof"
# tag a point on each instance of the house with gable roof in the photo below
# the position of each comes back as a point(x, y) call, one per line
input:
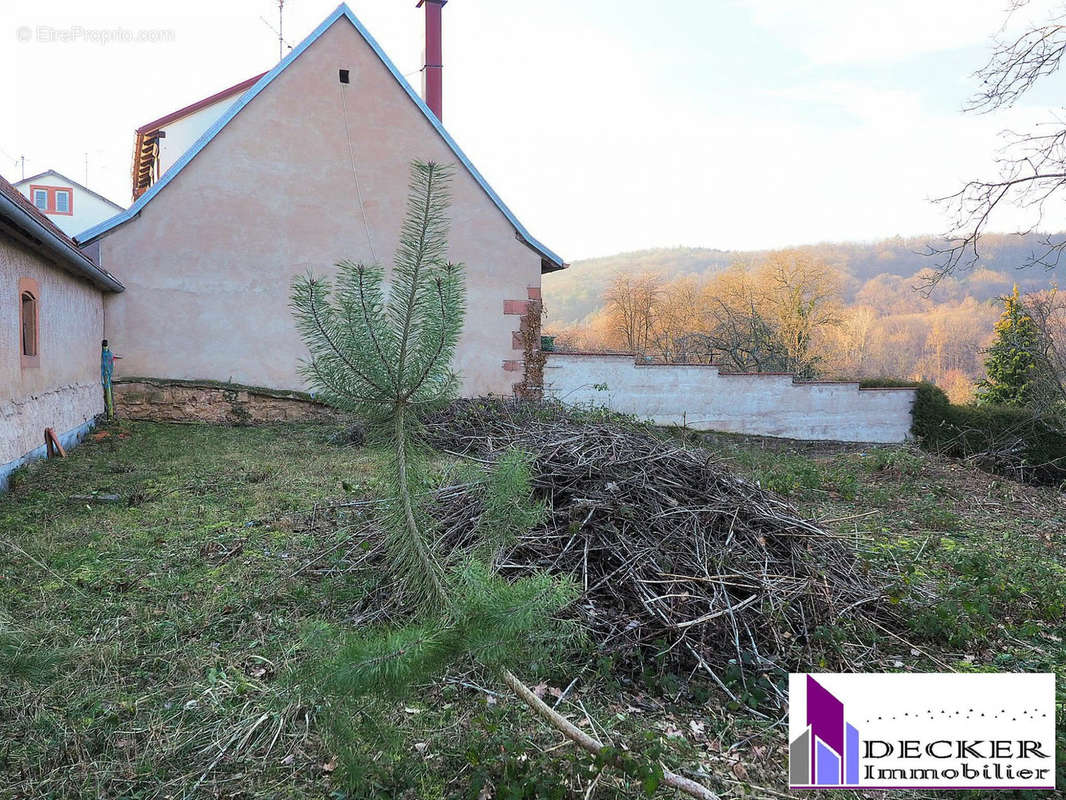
point(161, 142)
point(307, 165)
point(70, 206)
point(51, 324)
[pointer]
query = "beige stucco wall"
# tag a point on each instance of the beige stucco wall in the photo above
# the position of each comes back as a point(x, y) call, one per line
point(208, 262)
point(64, 392)
point(704, 399)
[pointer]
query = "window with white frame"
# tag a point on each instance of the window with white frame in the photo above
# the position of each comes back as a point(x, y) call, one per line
point(53, 199)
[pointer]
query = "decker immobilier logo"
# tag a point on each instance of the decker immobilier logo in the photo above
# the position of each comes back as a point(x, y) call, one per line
point(911, 731)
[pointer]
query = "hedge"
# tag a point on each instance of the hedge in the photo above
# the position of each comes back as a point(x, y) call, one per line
point(1002, 439)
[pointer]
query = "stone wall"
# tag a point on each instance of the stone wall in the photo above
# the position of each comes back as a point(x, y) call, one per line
point(704, 398)
point(157, 400)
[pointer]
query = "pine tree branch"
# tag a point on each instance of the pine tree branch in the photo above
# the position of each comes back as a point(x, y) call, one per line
point(588, 743)
point(333, 346)
point(331, 385)
point(443, 339)
point(371, 325)
point(425, 222)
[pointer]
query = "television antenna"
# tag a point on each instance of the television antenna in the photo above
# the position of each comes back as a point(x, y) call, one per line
point(282, 44)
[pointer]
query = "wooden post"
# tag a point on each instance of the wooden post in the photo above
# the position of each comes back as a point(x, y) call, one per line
point(52, 444)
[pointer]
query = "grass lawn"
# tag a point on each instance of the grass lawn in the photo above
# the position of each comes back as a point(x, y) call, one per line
point(154, 645)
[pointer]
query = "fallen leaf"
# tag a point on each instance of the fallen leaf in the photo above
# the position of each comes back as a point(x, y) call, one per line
point(696, 727)
point(740, 772)
point(540, 689)
point(330, 765)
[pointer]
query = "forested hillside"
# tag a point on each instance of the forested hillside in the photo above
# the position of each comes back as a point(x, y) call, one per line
point(825, 310)
point(578, 291)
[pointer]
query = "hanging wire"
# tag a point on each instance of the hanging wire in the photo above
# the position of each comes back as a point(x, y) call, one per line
point(355, 172)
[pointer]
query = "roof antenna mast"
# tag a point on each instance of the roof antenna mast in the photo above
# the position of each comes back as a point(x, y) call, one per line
point(281, 28)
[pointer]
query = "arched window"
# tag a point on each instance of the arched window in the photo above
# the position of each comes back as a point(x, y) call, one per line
point(29, 322)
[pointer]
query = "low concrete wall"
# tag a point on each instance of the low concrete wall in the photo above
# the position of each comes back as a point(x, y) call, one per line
point(158, 400)
point(704, 398)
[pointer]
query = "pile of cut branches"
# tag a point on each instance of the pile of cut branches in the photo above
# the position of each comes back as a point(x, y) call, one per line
point(676, 554)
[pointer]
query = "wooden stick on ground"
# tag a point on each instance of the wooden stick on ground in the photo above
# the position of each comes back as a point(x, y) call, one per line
point(586, 742)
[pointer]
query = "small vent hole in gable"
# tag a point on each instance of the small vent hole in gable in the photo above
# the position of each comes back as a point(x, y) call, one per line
point(344, 76)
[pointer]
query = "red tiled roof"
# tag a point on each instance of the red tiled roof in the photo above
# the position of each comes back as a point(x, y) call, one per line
point(193, 107)
point(12, 193)
point(76, 260)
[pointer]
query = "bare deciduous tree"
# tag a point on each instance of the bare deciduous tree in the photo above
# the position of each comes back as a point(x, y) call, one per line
point(1032, 164)
point(1047, 309)
point(631, 304)
point(804, 298)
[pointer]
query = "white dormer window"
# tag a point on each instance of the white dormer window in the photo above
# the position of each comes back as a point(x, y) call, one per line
point(62, 202)
point(40, 199)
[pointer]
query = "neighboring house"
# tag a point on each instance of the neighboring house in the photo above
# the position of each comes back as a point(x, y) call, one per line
point(51, 324)
point(69, 205)
point(161, 142)
point(307, 167)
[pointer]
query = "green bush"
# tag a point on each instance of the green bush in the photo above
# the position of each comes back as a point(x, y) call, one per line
point(885, 383)
point(1006, 440)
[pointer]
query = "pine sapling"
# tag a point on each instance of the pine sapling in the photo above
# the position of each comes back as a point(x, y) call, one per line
point(386, 355)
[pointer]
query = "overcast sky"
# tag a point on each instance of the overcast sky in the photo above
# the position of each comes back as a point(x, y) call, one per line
point(606, 125)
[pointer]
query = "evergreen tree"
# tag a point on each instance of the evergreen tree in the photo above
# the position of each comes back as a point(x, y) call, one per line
point(1013, 362)
point(386, 355)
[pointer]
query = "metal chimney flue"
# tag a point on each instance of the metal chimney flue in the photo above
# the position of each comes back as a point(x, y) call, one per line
point(433, 66)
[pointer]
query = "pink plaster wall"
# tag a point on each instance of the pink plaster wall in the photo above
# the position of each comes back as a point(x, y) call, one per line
point(208, 262)
point(63, 391)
